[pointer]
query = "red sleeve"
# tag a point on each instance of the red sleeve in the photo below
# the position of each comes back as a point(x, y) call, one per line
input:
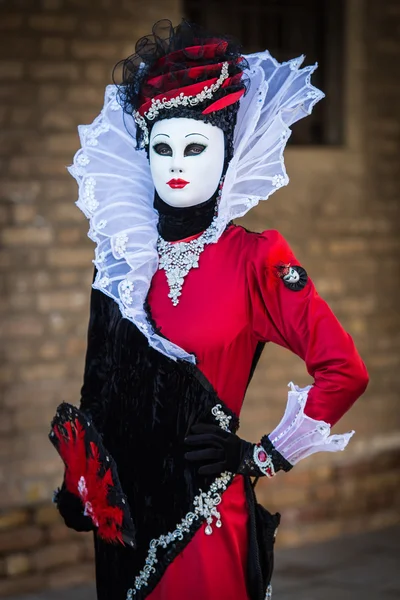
point(303, 322)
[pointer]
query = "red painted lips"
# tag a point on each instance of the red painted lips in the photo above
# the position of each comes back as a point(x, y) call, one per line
point(177, 184)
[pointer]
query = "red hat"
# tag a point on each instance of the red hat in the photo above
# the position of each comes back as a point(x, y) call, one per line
point(185, 69)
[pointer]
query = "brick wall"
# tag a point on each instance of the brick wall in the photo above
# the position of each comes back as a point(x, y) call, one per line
point(55, 58)
point(339, 214)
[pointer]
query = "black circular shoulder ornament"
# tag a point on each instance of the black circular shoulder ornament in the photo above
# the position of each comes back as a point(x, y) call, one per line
point(295, 279)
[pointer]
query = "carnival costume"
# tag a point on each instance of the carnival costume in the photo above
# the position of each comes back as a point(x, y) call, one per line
point(183, 302)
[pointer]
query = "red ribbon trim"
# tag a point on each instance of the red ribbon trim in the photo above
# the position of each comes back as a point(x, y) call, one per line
point(223, 102)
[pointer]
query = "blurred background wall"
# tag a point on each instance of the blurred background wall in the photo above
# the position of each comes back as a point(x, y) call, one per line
point(340, 213)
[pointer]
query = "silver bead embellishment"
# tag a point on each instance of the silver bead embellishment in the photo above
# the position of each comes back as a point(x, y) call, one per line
point(204, 506)
point(178, 258)
point(120, 244)
point(127, 288)
point(279, 181)
point(88, 196)
point(221, 417)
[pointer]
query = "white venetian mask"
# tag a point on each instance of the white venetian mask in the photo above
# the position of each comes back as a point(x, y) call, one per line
point(186, 160)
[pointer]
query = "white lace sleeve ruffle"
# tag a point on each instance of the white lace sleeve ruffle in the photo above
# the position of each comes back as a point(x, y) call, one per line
point(298, 436)
point(116, 191)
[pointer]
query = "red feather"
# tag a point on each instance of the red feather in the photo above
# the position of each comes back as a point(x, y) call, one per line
point(83, 479)
point(72, 451)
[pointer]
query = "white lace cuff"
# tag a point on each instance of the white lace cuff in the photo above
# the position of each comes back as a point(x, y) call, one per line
point(298, 436)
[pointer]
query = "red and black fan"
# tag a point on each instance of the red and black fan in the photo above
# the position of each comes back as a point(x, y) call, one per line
point(91, 475)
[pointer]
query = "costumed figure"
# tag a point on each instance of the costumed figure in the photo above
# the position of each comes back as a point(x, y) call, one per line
point(183, 302)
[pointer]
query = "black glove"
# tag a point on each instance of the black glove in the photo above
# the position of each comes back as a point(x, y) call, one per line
point(219, 450)
point(71, 509)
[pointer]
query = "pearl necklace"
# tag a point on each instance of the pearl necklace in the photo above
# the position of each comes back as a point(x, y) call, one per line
point(178, 258)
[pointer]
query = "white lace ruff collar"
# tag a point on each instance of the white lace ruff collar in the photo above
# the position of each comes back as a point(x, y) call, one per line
point(116, 189)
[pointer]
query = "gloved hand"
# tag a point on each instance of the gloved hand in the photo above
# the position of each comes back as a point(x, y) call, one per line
point(71, 509)
point(215, 449)
point(218, 450)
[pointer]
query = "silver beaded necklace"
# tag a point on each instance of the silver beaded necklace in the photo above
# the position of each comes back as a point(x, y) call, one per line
point(178, 258)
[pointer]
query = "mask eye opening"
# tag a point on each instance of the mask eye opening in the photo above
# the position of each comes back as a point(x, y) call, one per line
point(162, 149)
point(194, 149)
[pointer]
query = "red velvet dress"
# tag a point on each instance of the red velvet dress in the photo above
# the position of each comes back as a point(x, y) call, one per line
point(230, 303)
